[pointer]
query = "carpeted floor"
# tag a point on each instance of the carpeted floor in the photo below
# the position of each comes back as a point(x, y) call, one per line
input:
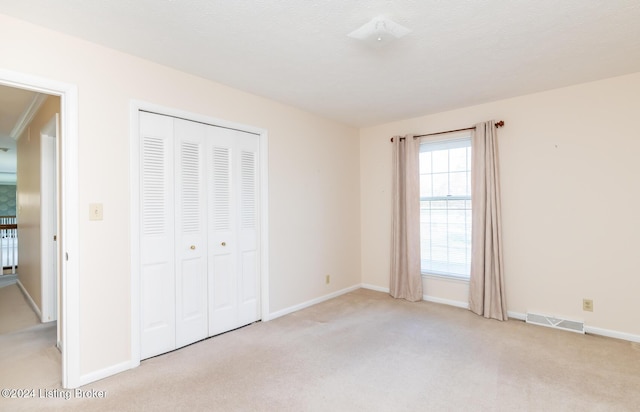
point(15, 312)
point(28, 356)
point(365, 351)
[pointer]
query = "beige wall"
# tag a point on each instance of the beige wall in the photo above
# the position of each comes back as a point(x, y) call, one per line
point(569, 165)
point(28, 200)
point(313, 178)
point(570, 200)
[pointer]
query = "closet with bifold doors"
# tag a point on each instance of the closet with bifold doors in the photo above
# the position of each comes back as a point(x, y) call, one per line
point(199, 231)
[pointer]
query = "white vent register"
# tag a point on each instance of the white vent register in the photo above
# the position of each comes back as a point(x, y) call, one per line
point(556, 323)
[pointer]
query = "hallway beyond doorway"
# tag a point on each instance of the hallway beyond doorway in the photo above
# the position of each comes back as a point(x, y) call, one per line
point(28, 352)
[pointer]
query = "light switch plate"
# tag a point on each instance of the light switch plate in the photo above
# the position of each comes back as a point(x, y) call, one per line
point(95, 211)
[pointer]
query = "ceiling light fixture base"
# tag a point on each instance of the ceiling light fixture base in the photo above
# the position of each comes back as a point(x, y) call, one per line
point(379, 31)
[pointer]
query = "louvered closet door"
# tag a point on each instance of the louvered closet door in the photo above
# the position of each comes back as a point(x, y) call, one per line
point(191, 233)
point(247, 228)
point(233, 199)
point(157, 262)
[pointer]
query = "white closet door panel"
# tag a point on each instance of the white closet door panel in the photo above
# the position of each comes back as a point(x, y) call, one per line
point(199, 231)
point(248, 288)
point(233, 200)
point(223, 305)
point(156, 235)
point(247, 228)
point(191, 302)
point(221, 180)
point(158, 320)
point(191, 233)
point(222, 222)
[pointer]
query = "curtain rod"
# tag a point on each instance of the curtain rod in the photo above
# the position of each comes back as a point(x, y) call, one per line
point(498, 124)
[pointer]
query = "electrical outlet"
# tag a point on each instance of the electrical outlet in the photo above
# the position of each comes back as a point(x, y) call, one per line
point(327, 279)
point(587, 305)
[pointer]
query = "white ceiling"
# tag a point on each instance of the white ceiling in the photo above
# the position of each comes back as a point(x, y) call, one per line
point(459, 53)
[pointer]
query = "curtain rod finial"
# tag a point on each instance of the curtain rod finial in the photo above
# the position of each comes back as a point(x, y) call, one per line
point(500, 123)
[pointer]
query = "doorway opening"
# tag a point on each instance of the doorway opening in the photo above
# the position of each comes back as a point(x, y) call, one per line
point(60, 211)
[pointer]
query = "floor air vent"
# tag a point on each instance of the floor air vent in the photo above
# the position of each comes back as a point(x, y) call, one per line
point(551, 322)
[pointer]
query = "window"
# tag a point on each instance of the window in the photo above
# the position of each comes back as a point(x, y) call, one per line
point(445, 206)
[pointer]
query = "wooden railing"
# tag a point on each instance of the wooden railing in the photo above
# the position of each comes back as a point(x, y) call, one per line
point(8, 244)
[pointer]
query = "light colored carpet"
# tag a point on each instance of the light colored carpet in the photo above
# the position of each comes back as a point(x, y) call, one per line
point(28, 356)
point(365, 351)
point(15, 311)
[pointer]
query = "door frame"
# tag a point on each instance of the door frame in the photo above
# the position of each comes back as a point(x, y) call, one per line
point(69, 305)
point(134, 166)
point(48, 219)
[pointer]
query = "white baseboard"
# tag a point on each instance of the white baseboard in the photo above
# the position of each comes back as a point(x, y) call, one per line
point(590, 329)
point(517, 315)
point(31, 302)
point(104, 373)
point(374, 287)
point(309, 303)
point(426, 298)
point(456, 303)
point(612, 334)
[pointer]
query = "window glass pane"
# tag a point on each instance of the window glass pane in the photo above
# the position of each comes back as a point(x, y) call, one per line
point(457, 217)
point(439, 253)
point(424, 212)
point(456, 204)
point(440, 184)
point(458, 184)
point(438, 234)
point(425, 162)
point(425, 253)
point(440, 161)
point(458, 159)
point(426, 189)
point(445, 224)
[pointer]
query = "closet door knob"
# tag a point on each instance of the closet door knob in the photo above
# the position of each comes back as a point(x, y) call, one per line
point(224, 243)
point(193, 247)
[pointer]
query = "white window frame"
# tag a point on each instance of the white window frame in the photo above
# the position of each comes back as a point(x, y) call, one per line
point(450, 141)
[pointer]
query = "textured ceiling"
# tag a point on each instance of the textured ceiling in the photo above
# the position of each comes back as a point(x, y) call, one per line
point(459, 53)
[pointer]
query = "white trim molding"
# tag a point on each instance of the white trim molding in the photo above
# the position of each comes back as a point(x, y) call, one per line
point(104, 373)
point(456, 303)
point(26, 294)
point(589, 330)
point(426, 298)
point(519, 316)
point(374, 287)
point(611, 334)
point(27, 115)
point(312, 302)
point(69, 227)
point(516, 315)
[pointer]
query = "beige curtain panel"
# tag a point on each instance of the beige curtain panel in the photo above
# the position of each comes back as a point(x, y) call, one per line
point(486, 286)
point(406, 280)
